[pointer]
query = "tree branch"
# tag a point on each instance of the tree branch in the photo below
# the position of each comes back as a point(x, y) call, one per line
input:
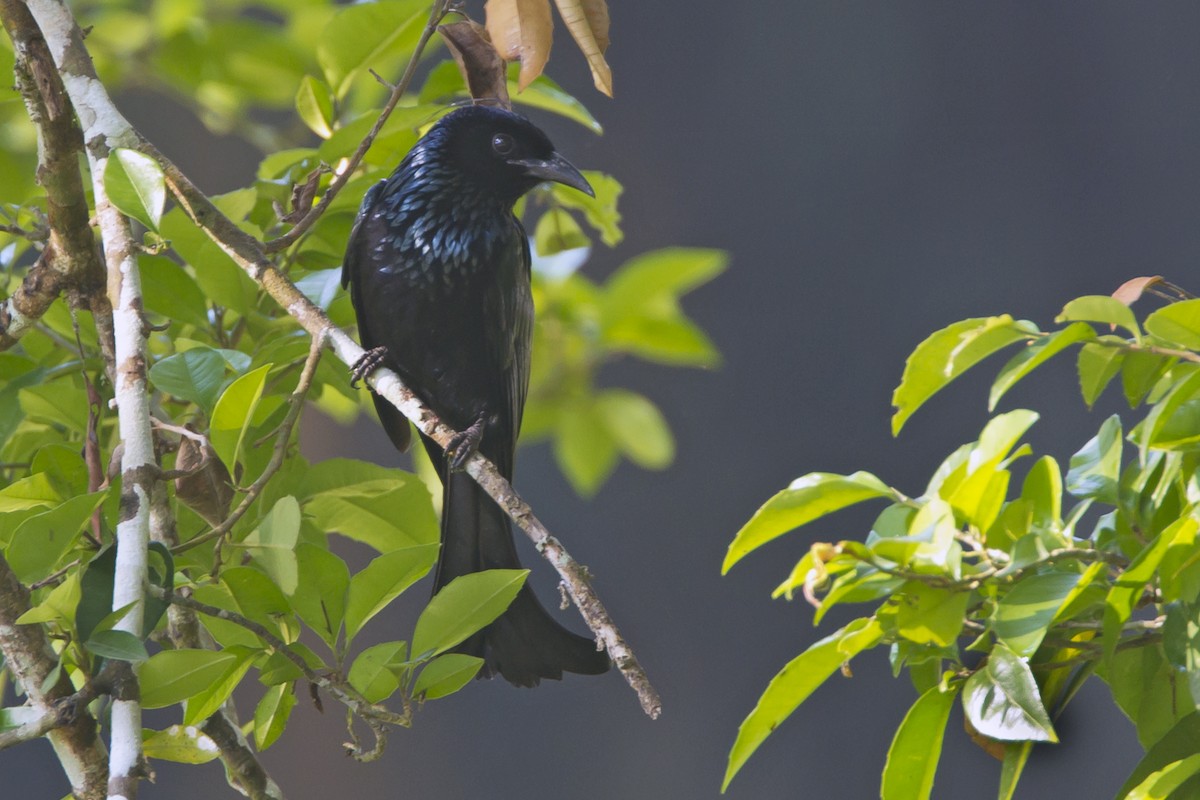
point(70, 259)
point(436, 14)
point(87, 93)
point(30, 659)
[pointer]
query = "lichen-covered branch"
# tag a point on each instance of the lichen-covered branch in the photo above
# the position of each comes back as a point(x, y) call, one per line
point(87, 93)
point(30, 659)
point(70, 260)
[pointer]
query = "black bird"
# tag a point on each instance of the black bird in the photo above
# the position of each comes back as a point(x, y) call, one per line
point(438, 269)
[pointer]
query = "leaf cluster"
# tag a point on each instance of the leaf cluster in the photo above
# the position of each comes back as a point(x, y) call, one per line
point(1010, 580)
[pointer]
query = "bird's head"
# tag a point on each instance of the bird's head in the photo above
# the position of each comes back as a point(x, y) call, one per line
point(500, 153)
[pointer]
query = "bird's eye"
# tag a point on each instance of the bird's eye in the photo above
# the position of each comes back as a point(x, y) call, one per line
point(502, 143)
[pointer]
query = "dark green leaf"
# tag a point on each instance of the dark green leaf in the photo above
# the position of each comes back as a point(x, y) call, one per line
point(1100, 308)
point(913, 757)
point(382, 581)
point(1036, 354)
point(120, 645)
point(271, 714)
point(807, 498)
point(134, 183)
point(195, 375)
point(794, 683)
point(1175, 745)
point(1178, 323)
point(446, 674)
point(320, 596)
point(947, 354)
point(173, 676)
point(464, 606)
point(43, 540)
point(1002, 701)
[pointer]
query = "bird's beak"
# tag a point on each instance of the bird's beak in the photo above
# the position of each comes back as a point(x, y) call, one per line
point(557, 169)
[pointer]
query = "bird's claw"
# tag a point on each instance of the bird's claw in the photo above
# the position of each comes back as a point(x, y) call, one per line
point(463, 445)
point(366, 365)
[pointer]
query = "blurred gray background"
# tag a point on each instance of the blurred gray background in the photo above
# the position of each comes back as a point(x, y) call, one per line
point(877, 170)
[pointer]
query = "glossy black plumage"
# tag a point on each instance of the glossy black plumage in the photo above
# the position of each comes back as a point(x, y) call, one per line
point(438, 269)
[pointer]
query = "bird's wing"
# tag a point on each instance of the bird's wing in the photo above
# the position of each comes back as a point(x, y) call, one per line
point(350, 262)
point(509, 308)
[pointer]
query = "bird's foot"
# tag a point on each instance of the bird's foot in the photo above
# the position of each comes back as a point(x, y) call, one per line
point(463, 445)
point(366, 365)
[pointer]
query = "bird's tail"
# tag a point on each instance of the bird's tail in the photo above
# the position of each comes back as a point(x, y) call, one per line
point(525, 644)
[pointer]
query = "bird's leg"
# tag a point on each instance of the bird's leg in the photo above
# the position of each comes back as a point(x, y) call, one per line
point(464, 444)
point(366, 365)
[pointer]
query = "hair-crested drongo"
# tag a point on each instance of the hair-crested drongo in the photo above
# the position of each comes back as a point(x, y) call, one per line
point(438, 269)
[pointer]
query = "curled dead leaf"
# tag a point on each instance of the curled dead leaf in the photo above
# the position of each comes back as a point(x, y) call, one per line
point(587, 21)
point(303, 195)
point(1131, 290)
point(522, 31)
point(207, 488)
point(992, 747)
point(477, 59)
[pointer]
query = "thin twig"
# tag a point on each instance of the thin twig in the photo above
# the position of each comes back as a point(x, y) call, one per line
point(436, 14)
point(282, 439)
point(371, 713)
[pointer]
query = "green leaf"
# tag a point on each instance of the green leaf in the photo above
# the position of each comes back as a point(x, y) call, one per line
point(583, 447)
point(637, 427)
point(650, 278)
point(1178, 323)
point(1183, 392)
point(135, 184)
point(1096, 469)
point(1128, 588)
point(43, 540)
point(1175, 745)
point(1024, 613)
point(373, 672)
point(58, 403)
point(271, 714)
point(315, 106)
point(320, 597)
point(1161, 784)
point(1097, 365)
point(947, 354)
point(366, 35)
point(929, 615)
point(233, 413)
point(1150, 691)
point(1015, 756)
point(1002, 702)
point(167, 289)
point(1100, 308)
point(173, 676)
point(384, 579)
point(195, 375)
point(913, 757)
point(599, 211)
point(273, 543)
point(120, 645)
point(547, 95)
point(203, 704)
point(807, 498)
point(557, 231)
point(401, 515)
point(464, 606)
point(794, 683)
point(256, 595)
point(446, 674)
point(221, 280)
point(1036, 354)
point(35, 491)
point(182, 744)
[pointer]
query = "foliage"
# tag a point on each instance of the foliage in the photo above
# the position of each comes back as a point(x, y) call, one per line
point(1009, 581)
point(226, 370)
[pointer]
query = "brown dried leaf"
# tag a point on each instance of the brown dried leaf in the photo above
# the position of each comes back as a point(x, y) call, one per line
point(992, 747)
point(521, 31)
point(1131, 290)
point(208, 489)
point(481, 66)
point(587, 20)
point(303, 195)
